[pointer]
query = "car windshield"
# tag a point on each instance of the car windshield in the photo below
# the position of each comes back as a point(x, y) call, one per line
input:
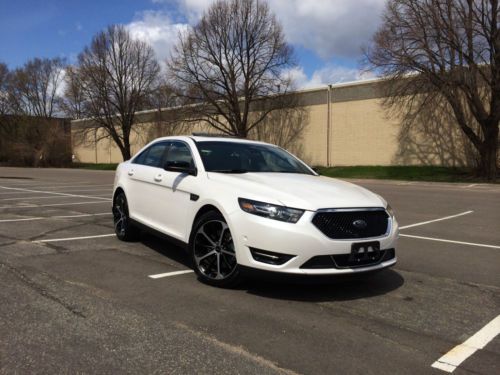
point(239, 157)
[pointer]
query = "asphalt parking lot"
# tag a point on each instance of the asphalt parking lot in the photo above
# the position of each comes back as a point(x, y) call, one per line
point(73, 299)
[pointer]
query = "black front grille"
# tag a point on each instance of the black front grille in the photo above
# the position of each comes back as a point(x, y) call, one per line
point(352, 224)
point(345, 260)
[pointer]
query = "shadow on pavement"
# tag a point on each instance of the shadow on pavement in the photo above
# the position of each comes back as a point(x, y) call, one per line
point(331, 288)
point(166, 248)
point(296, 288)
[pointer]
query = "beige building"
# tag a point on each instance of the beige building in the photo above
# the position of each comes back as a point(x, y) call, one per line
point(337, 125)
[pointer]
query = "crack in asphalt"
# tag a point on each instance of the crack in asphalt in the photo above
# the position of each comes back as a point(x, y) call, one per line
point(41, 290)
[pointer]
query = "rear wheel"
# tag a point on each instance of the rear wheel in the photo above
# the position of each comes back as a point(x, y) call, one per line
point(124, 229)
point(212, 251)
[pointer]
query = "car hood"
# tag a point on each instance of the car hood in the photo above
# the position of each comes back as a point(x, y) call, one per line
point(298, 190)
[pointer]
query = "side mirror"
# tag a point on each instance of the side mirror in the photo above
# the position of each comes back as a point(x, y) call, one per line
point(180, 167)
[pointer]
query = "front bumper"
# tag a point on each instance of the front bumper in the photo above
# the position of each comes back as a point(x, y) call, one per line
point(302, 240)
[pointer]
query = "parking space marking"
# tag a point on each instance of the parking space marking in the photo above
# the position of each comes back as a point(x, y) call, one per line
point(45, 197)
point(168, 274)
point(451, 360)
point(54, 193)
point(450, 241)
point(81, 215)
point(433, 221)
point(52, 205)
point(64, 186)
point(53, 217)
point(25, 219)
point(57, 186)
point(75, 238)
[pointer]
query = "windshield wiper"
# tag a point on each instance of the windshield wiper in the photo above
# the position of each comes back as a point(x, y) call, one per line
point(229, 170)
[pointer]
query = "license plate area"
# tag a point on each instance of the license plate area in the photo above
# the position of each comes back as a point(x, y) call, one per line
point(365, 252)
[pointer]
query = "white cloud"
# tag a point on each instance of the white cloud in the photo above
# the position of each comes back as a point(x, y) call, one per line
point(326, 75)
point(331, 28)
point(158, 29)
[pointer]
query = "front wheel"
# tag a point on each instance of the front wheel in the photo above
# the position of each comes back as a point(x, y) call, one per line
point(124, 229)
point(212, 251)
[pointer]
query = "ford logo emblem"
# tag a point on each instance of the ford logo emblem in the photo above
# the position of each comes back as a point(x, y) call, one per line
point(359, 224)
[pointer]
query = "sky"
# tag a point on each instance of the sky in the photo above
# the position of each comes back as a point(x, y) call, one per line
point(327, 35)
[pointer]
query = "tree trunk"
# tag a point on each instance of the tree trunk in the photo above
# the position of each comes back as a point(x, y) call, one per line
point(125, 150)
point(489, 154)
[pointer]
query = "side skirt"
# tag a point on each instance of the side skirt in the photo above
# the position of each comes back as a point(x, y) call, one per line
point(161, 235)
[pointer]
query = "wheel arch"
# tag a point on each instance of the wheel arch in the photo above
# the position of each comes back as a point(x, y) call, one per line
point(117, 191)
point(207, 207)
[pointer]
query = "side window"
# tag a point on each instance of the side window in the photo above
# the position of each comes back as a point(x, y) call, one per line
point(179, 152)
point(153, 155)
point(139, 159)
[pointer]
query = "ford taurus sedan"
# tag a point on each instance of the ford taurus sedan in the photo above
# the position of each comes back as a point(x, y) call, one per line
point(237, 204)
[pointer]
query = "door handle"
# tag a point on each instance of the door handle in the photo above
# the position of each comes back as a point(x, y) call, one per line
point(131, 172)
point(158, 177)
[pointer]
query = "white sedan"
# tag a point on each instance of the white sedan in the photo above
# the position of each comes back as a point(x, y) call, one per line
point(237, 204)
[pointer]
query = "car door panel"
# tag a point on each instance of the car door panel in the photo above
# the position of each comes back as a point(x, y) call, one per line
point(143, 177)
point(177, 188)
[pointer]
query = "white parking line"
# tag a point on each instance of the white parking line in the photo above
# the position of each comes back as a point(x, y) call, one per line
point(433, 221)
point(64, 186)
point(55, 204)
point(25, 219)
point(81, 215)
point(175, 273)
point(54, 193)
point(450, 241)
point(46, 186)
point(52, 217)
point(45, 197)
point(75, 238)
point(451, 360)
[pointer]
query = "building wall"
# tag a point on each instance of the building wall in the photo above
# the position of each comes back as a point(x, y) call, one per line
point(361, 134)
point(344, 125)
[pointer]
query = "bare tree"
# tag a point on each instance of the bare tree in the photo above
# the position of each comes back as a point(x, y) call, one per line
point(437, 52)
point(73, 100)
point(167, 118)
point(235, 56)
point(116, 75)
point(33, 88)
point(284, 126)
point(30, 132)
point(4, 82)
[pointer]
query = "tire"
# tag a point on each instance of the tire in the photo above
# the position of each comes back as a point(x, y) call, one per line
point(212, 251)
point(124, 229)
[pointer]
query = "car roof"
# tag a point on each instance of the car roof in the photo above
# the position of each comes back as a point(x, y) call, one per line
point(198, 138)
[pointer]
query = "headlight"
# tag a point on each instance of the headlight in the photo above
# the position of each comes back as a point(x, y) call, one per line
point(390, 210)
point(271, 211)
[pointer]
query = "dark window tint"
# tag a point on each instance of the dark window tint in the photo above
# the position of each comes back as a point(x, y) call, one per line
point(179, 151)
point(152, 156)
point(240, 157)
point(139, 159)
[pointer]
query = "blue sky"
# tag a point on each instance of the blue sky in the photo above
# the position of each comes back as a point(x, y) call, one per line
point(327, 34)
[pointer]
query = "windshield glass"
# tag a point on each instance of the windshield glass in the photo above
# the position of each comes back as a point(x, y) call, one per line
point(236, 157)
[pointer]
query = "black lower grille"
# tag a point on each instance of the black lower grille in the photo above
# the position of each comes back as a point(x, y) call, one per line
point(345, 260)
point(352, 224)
